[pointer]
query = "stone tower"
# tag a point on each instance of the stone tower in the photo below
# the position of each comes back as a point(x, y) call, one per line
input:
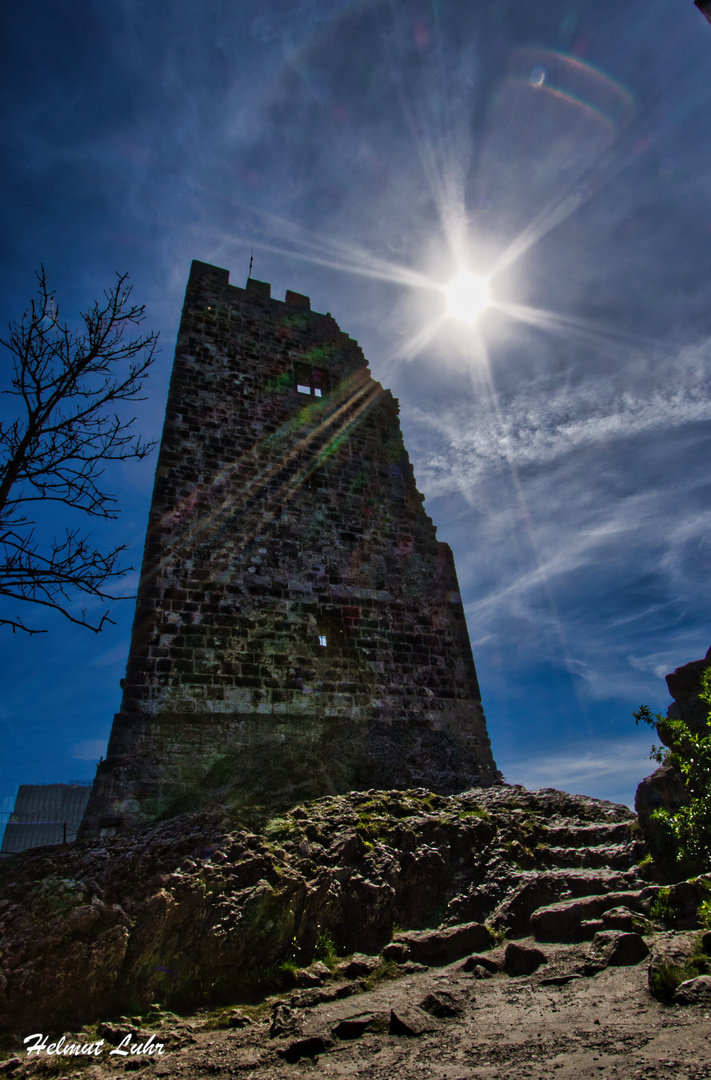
point(299, 629)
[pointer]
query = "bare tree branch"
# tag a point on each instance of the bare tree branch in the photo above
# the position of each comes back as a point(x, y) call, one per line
point(67, 384)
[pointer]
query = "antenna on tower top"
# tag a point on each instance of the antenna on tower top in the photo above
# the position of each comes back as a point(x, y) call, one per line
point(251, 262)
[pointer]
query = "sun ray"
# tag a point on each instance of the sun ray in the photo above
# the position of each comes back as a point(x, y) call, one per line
point(568, 324)
point(409, 349)
point(342, 254)
point(308, 453)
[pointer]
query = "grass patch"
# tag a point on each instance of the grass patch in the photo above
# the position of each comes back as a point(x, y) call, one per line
point(325, 949)
point(386, 970)
point(667, 977)
point(475, 811)
point(662, 909)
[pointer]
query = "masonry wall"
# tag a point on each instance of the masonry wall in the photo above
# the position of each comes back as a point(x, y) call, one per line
point(299, 629)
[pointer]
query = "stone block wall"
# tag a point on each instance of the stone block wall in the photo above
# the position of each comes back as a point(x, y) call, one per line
point(299, 629)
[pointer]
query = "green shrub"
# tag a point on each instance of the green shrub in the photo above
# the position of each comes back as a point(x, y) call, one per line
point(665, 979)
point(324, 949)
point(662, 909)
point(683, 838)
point(704, 914)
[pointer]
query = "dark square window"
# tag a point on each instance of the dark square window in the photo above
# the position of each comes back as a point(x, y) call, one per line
point(311, 380)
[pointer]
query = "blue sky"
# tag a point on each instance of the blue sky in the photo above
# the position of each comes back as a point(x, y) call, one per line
point(367, 152)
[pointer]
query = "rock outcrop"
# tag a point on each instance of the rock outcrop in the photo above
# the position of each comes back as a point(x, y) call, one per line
point(664, 789)
point(197, 910)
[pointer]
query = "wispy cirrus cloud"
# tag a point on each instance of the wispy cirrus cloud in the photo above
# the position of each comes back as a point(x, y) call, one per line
point(610, 769)
point(545, 422)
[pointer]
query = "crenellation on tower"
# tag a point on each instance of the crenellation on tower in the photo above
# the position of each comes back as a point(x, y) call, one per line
point(299, 629)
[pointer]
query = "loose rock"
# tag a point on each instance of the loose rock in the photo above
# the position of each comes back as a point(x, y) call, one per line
point(485, 962)
point(360, 965)
point(614, 948)
point(441, 1004)
point(411, 1021)
point(302, 1048)
point(694, 991)
point(519, 960)
point(352, 1027)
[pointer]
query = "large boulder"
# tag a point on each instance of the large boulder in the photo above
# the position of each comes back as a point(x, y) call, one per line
point(663, 790)
point(685, 687)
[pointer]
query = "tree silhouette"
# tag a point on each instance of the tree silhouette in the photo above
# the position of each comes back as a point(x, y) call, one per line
point(67, 385)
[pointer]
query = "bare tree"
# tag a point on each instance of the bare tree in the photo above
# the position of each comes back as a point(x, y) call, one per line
point(67, 384)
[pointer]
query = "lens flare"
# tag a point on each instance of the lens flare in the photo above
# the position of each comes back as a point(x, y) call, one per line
point(467, 296)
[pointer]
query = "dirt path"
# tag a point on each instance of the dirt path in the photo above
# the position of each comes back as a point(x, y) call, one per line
point(507, 1029)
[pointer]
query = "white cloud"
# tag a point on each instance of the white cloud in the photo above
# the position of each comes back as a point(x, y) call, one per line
point(540, 424)
point(605, 770)
point(89, 749)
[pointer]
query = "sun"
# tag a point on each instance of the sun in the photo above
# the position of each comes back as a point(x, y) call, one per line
point(467, 296)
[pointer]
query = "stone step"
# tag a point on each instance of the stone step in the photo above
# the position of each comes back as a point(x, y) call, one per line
point(616, 857)
point(567, 919)
point(573, 835)
point(539, 889)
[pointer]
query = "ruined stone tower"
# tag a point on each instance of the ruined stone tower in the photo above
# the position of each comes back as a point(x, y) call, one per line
point(298, 629)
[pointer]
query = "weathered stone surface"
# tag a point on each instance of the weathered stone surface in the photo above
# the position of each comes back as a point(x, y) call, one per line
point(237, 1019)
point(613, 948)
point(569, 920)
point(681, 901)
point(397, 951)
point(411, 1021)
point(299, 629)
point(442, 1004)
point(670, 957)
point(572, 1026)
point(305, 1048)
point(622, 918)
point(694, 991)
point(685, 687)
point(557, 922)
point(217, 903)
point(306, 979)
point(663, 790)
point(443, 946)
point(520, 960)
point(477, 960)
point(359, 965)
point(352, 1027)
point(283, 1021)
point(560, 980)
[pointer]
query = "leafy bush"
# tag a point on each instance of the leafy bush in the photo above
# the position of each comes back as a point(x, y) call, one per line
point(684, 835)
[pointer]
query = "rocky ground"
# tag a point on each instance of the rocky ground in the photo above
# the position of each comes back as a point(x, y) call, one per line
point(499, 933)
point(446, 1023)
